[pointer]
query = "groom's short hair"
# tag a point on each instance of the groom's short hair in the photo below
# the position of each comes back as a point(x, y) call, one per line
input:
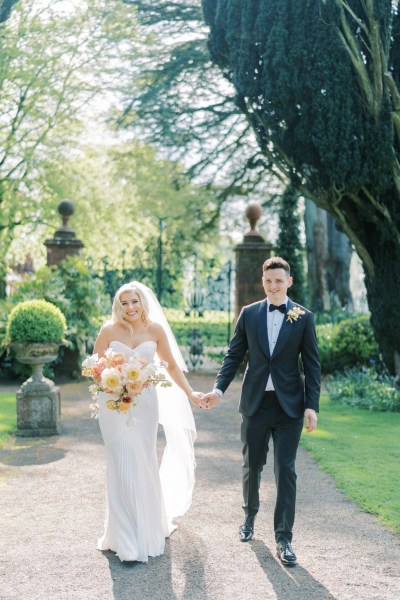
point(276, 262)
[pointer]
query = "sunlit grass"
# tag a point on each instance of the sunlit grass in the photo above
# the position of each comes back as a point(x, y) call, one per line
point(8, 416)
point(361, 450)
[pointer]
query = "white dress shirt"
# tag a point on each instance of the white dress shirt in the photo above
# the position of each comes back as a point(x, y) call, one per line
point(274, 324)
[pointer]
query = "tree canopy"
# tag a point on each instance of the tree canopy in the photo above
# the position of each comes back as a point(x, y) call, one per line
point(182, 104)
point(54, 60)
point(318, 82)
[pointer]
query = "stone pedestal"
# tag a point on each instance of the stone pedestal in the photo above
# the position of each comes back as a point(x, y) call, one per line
point(38, 408)
point(250, 256)
point(38, 399)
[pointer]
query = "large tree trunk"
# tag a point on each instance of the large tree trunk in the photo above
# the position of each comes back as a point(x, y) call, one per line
point(315, 220)
point(382, 292)
point(340, 253)
point(328, 257)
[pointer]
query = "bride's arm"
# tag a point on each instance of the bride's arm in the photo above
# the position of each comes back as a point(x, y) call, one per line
point(165, 354)
point(102, 341)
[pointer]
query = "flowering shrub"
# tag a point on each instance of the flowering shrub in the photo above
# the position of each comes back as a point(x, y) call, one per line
point(364, 388)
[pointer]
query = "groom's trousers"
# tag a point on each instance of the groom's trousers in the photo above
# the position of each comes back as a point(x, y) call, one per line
point(270, 420)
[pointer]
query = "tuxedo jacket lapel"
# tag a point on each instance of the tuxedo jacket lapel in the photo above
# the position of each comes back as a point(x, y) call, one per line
point(262, 328)
point(285, 331)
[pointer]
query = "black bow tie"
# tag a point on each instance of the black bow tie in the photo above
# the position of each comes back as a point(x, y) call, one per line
point(281, 308)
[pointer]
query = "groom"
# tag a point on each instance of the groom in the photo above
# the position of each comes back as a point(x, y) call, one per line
point(276, 397)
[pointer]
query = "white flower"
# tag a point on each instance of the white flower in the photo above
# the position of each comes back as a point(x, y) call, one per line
point(110, 379)
point(147, 372)
point(135, 362)
point(294, 313)
point(90, 361)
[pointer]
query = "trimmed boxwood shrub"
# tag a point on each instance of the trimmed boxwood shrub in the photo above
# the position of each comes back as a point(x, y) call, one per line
point(36, 321)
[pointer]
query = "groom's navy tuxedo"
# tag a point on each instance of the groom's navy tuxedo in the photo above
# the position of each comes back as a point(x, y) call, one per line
point(278, 413)
point(294, 391)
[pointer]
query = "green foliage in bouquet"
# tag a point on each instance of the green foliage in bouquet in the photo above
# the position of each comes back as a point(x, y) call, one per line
point(36, 321)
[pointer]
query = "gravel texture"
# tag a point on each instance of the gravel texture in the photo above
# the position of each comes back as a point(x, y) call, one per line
point(52, 493)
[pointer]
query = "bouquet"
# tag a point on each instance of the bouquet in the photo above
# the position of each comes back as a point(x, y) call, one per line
point(121, 377)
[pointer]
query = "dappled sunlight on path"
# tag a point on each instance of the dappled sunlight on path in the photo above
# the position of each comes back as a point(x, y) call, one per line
point(53, 509)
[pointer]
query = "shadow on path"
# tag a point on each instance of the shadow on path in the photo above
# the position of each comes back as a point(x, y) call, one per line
point(178, 573)
point(23, 452)
point(288, 582)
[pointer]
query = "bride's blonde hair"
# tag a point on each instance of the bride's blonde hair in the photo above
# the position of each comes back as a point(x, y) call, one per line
point(117, 309)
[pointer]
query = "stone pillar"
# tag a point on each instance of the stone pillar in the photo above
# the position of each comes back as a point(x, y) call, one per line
point(64, 243)
point(250, 256)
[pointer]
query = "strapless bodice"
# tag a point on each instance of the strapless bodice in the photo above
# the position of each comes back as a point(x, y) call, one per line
point(146, 349)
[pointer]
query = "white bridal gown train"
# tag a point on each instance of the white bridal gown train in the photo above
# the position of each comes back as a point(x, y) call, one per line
point(138, 500)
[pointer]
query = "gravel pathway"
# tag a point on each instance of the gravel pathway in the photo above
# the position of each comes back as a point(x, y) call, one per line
point(52, 493)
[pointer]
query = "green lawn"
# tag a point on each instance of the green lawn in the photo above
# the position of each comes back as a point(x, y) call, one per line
point(361, 450)
point(8, 416)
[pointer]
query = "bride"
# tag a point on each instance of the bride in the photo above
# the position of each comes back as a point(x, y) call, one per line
point(141, 499)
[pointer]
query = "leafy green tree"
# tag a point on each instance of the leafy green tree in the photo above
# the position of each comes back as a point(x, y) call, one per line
point(289, 244)
point(55, 58)
point(318, 82)
point(127, 203)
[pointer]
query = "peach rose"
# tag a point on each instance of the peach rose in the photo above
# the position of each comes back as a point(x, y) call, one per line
point(98, 368)
point(125, 404)
point(135, 387)
point(117, 358)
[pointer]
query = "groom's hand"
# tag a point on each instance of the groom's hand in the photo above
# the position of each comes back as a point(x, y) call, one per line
point(310, 419)
point(210, 400)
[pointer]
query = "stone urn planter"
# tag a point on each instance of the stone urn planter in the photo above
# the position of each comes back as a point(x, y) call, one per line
point(35, 331)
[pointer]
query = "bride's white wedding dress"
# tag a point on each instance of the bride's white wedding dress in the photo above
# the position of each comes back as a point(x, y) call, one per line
point(136, 523)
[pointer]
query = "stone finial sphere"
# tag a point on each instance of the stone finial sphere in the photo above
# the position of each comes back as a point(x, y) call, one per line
point(66, 208)
point(253, 211)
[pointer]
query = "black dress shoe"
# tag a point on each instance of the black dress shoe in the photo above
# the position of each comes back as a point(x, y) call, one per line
point(246, 531)
point(286, 554)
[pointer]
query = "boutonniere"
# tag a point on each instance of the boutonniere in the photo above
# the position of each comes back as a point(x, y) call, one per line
point(294, 313)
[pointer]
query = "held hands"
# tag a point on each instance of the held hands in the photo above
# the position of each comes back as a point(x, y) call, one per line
point(204, 400)
point(210, 400)
point(310, 420)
